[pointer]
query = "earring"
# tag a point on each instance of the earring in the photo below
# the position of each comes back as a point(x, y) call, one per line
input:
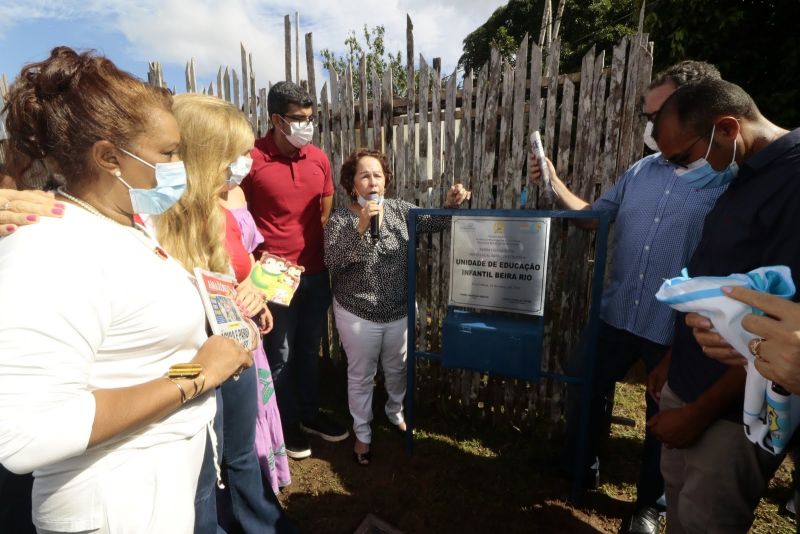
point(117, 173)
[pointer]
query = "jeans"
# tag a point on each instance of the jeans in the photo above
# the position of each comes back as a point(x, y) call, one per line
point(15, 502)
point(253, 506)
point(293, 349)
point(617, 351)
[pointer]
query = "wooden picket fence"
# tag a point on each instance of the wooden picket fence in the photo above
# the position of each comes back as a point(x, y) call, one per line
point(474, 129)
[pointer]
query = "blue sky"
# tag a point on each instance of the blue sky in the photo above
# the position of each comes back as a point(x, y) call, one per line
point(133, 32)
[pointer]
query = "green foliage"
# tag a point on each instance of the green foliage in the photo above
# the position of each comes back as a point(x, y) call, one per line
point(753, 42)
point(377, 58)
point(583, 24)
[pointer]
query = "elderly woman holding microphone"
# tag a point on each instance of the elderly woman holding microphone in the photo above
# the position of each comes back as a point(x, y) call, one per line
point(368, 277)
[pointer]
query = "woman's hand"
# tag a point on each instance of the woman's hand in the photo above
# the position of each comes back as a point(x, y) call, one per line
point(18, 208)
point(265, 321)
point(249, 299)
point(456, 195)
point(713, 345)
point(221, 358)
point(778, 355)
point(370, 209)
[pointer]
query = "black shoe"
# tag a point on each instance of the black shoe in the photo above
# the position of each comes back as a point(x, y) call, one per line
point(325, 428)
point(643, 521)
point(297, 444)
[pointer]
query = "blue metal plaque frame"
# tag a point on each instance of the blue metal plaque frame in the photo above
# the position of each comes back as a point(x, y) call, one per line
point(591, 332)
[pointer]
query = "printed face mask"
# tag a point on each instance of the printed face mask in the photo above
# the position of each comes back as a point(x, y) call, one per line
point(299, 134)
point(701, 175)
point(649, 141)
point(239, 169)
point(170, 185)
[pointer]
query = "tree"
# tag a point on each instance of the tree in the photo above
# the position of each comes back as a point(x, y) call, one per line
point(378, 60)
point(753, 42)
point(584, 24)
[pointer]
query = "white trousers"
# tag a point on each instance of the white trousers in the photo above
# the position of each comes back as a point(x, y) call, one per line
point(366, 342)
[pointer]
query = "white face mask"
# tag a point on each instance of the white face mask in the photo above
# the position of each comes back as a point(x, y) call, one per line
point(299, 134)
point(374, 196)
point(239, 169)
point(648, 137)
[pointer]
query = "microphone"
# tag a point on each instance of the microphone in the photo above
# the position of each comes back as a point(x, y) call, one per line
point(374, 221)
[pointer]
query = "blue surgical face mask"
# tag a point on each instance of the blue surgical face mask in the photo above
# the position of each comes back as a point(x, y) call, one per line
point(170, 185)
point(239, 169)
point(701, 175)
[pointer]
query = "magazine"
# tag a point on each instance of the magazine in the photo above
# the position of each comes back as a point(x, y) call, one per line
point(218, 292)
point(277, 278)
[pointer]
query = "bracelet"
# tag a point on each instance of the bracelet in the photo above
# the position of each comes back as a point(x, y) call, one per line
point(198, 390)
point(180, 387)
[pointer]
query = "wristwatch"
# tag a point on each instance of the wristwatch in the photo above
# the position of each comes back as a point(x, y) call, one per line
point(185, 370)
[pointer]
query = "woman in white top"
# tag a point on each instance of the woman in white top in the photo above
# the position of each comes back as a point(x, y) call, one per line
point(94, 314)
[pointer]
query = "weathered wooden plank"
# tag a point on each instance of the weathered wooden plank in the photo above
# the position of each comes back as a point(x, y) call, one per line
point(387, 111)
point(297, 47)
point(552, 98)
point(534, 113)
point(363, 101)
point(478, 134)
point(594, 161)
point(629, 114)
point(236, 89)
point(226, 81)
point(450, 145)
point(245, 83)
point(436, 136)
point(613, 113)
point(397, 189)
point(287, 47)
point(220, 88)
point(311, 75)
point(565, 130)
point(489, 145)
point(262, 108)
point(464, 170)
point(350, 113)
point(254, 102)
point(518, 144)
point(645, 75)
point(580, 177)
point(505, 194)
point(411, 140)
point(422, 179)
point(325, 123)
point(336, 129)
point(376, 141)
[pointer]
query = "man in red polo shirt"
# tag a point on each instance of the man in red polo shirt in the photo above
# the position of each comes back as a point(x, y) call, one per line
point(290, 193)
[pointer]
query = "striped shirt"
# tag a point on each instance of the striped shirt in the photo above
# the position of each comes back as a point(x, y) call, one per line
point(658, 223)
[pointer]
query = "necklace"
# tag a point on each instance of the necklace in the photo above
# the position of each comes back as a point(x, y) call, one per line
point(160, 252)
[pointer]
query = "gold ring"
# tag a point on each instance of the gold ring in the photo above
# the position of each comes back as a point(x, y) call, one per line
point(754, 346)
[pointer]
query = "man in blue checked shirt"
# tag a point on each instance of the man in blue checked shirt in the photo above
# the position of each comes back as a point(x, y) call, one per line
point(658, 222)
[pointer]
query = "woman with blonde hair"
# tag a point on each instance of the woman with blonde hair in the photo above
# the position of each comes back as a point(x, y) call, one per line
point(198, 231)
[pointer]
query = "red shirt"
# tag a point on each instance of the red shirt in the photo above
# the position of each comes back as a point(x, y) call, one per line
point(284, 194)
point(240, 258)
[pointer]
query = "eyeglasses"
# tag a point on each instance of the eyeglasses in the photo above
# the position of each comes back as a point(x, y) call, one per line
point(650, 116)
point(303, 120)
point(685, 154)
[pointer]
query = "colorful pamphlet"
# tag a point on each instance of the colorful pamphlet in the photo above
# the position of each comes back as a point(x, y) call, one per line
point(218, 292)
point(277, 278)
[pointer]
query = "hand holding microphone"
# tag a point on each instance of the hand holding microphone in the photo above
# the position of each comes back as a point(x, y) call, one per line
point(370, 216)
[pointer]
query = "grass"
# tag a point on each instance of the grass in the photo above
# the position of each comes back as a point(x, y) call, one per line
point(467, 477)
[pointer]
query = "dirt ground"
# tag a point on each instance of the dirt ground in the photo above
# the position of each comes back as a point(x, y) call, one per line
point(464, 478)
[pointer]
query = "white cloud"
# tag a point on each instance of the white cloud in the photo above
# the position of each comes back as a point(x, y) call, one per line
point(172, 31)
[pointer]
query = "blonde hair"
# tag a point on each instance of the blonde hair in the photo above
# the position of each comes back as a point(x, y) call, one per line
point(213, 135)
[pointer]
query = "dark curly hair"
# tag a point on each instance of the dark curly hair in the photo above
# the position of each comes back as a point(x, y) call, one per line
point(683, 72)
point(348, 173)
point(58, 108)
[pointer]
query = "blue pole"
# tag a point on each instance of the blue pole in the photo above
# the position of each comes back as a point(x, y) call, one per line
point(592, 333)
point(411, 314)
